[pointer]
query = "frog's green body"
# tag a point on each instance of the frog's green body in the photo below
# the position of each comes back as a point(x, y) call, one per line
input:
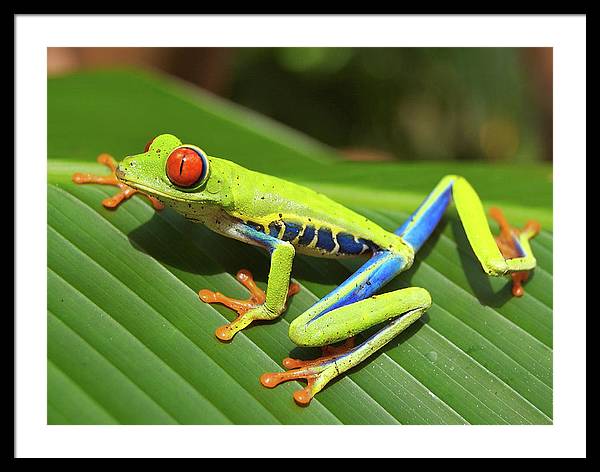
point(233, 193)
point(286, 218)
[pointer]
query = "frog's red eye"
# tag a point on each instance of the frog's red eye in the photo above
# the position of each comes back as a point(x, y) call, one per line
point(148, 144)
point(186, 166)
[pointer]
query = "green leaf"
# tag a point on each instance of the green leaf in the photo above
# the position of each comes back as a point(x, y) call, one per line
point(130, 342)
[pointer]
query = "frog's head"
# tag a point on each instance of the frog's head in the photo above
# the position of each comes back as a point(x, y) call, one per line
point(170, 171)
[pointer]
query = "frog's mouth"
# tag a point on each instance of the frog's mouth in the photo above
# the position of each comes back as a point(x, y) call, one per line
point(122, 176)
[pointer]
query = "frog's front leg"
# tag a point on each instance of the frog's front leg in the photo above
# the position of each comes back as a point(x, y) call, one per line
point(261, 305)
point(345, 312)
point(125, 193)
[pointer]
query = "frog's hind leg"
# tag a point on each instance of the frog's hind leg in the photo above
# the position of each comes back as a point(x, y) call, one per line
point(507, 254)
point(403, 307)
point(514, 243)
point(345, 312)
point(125, 193)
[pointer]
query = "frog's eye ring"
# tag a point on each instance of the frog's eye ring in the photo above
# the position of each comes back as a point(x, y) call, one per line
point(187, 166)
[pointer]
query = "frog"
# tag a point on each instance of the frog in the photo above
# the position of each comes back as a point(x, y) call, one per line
point(284, 219)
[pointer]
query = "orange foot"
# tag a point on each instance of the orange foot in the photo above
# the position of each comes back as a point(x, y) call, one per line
point(508, 247)
point(312, 371)
point(257, 298)
point(126, 191)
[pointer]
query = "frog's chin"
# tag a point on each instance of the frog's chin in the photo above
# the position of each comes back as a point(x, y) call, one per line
point(164, 197)
point(144, 188)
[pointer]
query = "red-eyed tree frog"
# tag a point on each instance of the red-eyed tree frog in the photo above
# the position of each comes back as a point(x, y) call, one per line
point(284, 219)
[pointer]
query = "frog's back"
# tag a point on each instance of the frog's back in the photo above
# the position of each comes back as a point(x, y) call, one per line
point(315, 224)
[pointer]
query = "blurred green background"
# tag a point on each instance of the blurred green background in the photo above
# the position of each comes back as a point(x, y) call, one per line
point(490, 104)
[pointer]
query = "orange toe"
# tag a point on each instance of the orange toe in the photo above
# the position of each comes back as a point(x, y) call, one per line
point(506, 242)
point(303, 396)
point(125, 192)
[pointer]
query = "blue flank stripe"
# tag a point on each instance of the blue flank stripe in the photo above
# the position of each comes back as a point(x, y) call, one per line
point(348, 244)
point(325, 239)
point(370, 244)
point(307, 236)
point(274, 228)
point(265, 240)
point(291, 231)
point(418, 234)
